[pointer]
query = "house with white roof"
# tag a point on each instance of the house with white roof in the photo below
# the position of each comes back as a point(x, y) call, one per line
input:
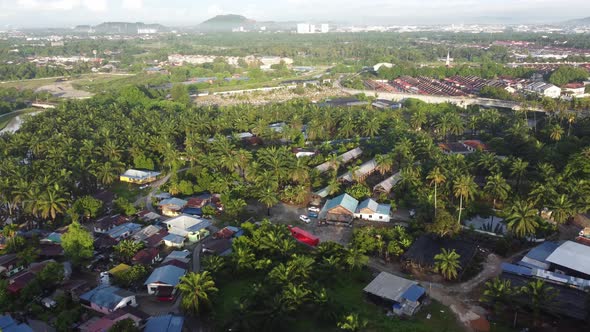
point(194, 229)
point(370, 210)
point(138, 176)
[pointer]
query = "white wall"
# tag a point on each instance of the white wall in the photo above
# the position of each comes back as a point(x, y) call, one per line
point(373, 217)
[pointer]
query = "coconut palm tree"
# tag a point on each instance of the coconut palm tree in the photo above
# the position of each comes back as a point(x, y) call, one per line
point(268, 197)
point(436, 177)
point(196, 290)
point(498, 293)
point(521, 218)
point(497, 188)
point(464, 188)
point(447, 263)
point(352, 323)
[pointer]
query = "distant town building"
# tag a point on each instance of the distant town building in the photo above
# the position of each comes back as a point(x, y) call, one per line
point(304, 28)
point(544, 89)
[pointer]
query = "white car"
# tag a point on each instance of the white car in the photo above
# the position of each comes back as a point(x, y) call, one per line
point(313, 209)
point(305, 219)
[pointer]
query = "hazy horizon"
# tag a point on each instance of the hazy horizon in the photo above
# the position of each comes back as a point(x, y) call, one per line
point(66, 13)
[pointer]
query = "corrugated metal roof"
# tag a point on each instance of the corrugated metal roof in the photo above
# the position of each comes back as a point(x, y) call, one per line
point(413, 293)
point(516, 269)
point(165, 323)
point(106, 296)
point(345, 200)
point(573, 256)
point(389, 286)
point(168, 274)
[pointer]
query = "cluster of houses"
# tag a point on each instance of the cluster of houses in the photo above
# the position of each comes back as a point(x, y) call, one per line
point(344, 209)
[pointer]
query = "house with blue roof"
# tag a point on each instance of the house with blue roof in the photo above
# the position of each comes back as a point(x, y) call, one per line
point(404, 296)
point(164, 323)
point(537, 257)
point(174, 241)
point(339, 209)
point(164, 277)
point(107, 299)
point(369, 209)
point(8, 324)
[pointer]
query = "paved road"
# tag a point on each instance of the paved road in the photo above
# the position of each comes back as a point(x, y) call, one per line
point(155, 186)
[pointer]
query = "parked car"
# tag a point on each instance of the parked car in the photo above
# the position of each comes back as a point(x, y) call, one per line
point(313, 209)
point(305, 219)
point(144, 186)
point(312, 215)
point(48, 303)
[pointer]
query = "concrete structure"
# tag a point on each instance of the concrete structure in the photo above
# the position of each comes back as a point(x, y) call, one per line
point(373, 211)
point(139, 177)
point(305, 28)
point(173, 241)
point(107, 299)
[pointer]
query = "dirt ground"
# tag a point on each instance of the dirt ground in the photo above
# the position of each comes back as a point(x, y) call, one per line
point(261, 98)
point(64, 90)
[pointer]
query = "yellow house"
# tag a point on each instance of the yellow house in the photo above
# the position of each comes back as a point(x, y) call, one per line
point(139, 177)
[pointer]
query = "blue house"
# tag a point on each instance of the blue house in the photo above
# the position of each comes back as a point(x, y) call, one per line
point(339, 209)
point(164, 323)
point(405, 296)
point(8, 324)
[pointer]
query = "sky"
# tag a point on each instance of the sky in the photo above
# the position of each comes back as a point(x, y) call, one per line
point(65, 13)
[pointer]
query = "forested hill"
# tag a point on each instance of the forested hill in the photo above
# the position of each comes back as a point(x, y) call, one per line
point(226, 22)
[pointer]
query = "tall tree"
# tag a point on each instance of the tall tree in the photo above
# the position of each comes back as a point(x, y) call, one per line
point(464, 188)
point(497, 188)
point(539, 295)
point(436, 177)
point(78, 243)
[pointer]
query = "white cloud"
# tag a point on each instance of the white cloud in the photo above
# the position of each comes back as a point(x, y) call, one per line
point(132, 4)
point(214, 10)
point(48, 4)
point(96, 5)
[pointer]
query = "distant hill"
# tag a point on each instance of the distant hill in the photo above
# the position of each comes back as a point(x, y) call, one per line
point(128, 28)
point(226, 23)
point(581, 21)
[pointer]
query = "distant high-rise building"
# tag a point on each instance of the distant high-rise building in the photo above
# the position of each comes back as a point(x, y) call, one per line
point(312, 28)
point(303, 28)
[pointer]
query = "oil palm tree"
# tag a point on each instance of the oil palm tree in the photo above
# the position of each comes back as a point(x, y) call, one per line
point(447, 263)
point(464, 188)
point(196, 290)
point(436, 177)
point(518, 169)
point(213, 263)
point(52, 202)
point(498, 293)
point(355, 258)
point(384, 163)
point(352, 323)
point(540, 295)
point(555, 132)
point(126, 249)
point(562, 209)
point(268, 197)
point(521, 218)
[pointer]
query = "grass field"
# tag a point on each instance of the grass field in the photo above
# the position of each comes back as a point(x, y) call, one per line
point(78, 80)
point(347, 292)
